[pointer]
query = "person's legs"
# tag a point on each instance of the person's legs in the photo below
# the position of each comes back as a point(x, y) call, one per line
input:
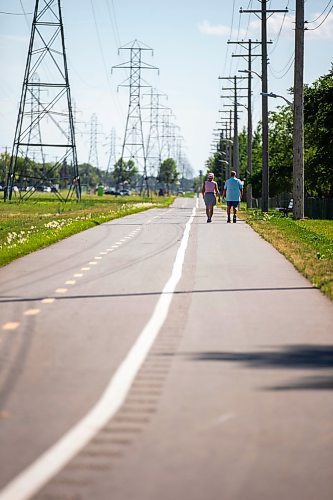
point(235, 212)
point(228, 211)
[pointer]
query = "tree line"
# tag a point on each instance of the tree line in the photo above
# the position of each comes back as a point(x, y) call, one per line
point(123, 173)
point(318, 146)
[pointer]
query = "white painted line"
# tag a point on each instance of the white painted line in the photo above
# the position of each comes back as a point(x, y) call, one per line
point(32, 479)
point(48, 300)
point(11, 325)
point(70, 282)
point(61, 290)
point(98, 258)
point(93, 263)
point(78, 275)
point(31, 312)
point(109, 249)
point(85, 268)
point(102, 253)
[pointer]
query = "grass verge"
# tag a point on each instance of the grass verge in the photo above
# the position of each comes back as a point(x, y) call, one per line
point(307, 244)
point(41, 221)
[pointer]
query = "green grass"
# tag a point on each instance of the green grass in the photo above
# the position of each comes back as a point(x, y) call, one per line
point(308, 244)
point(40, 221)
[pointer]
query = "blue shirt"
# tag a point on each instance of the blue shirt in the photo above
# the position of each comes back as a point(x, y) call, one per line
point(233, 187)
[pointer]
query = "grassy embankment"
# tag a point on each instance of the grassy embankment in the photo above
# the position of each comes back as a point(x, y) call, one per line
point(42, 220)
point(307, 243)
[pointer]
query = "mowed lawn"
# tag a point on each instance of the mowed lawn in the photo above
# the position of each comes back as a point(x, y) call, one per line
point(42, 220)
point(307, 243)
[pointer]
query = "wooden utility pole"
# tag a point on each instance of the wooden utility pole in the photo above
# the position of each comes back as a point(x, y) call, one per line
point(264, 101)
point(235, 106)
point(298, 130)
point(264, 107)
point(249, 56)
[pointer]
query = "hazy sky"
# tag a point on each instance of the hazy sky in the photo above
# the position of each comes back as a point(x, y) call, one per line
point(189, 40)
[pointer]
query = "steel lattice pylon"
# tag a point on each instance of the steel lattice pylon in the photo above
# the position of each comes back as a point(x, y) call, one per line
point(56, 166)
point(133, 144)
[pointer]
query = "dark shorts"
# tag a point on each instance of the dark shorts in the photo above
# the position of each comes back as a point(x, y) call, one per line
point(210, 199)
point(233, 204)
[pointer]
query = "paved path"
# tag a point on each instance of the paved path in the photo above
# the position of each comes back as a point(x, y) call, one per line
point(234, 398)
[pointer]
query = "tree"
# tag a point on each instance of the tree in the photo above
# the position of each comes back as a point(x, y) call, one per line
point(318, 119)
point(124, 171)
point(168, 173)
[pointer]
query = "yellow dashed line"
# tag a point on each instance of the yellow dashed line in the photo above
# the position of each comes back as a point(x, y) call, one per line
point(31, 312)
point(12, 325)
point(48, 300)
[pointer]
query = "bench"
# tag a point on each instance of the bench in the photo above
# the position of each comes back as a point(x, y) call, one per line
point(288, 209)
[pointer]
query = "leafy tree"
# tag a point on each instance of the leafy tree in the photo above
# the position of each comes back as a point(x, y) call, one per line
point(124, 171)
point(318, 118)
point(168, 173)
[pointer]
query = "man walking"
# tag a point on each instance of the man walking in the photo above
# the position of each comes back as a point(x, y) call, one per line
point(233, 192)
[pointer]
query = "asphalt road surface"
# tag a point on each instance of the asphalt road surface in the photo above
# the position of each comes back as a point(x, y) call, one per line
point(161, 357)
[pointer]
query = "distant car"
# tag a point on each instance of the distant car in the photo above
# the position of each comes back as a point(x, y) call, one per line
point(180, 192)
point(30, 188)
point(112, 191)
point(125, 192)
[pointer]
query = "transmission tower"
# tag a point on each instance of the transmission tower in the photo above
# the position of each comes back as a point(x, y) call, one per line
point(153, 148)
point(112, 151)
point(35, 137)
point(45, 126)
point(133, 144)
point(93, 154)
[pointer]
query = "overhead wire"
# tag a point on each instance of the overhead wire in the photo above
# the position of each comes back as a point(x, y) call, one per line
point(103, 57)
point(231, 28)
point(328, 13)
point(310, 22)
point(280, 30)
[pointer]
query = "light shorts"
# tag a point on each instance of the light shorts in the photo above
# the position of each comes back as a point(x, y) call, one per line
point(232, 204)
point(210, 199)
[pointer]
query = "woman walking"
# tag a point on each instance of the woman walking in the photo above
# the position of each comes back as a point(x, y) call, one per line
point(209, 192)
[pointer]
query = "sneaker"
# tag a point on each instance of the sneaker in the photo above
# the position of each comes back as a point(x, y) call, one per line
point(234, 219)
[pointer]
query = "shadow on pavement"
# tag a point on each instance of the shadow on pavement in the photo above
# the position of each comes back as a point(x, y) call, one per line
point(300, 357)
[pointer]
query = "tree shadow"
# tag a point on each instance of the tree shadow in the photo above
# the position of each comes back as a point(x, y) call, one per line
point(299, 357)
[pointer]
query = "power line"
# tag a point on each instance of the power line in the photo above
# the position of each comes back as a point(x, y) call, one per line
point(15, 13)
point(310, 22)
point(328, 13)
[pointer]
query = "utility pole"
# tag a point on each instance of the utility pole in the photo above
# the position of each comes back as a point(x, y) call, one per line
point(235, 106)
point(298, 130)
point(264, 101)
point(249, 57)
point(133, 143)
point(46, 54)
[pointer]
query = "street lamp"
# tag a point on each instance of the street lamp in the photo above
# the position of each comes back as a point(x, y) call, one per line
point(250, 72)
point(271, 94)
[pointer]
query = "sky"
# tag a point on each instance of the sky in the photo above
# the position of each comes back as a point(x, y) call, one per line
point(189, 42)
